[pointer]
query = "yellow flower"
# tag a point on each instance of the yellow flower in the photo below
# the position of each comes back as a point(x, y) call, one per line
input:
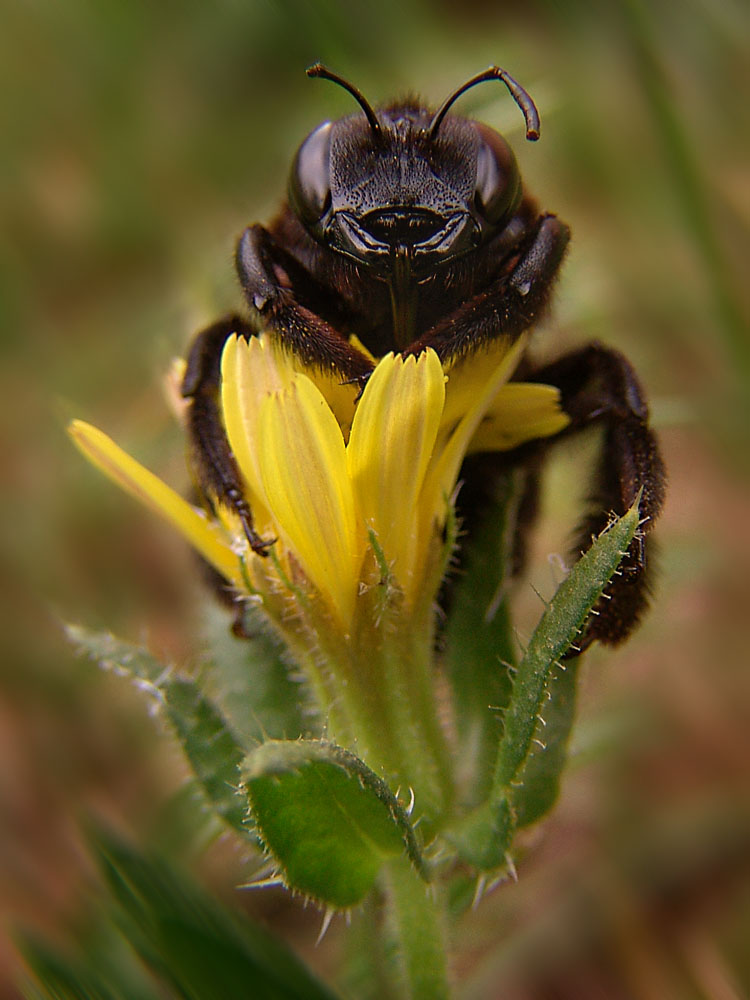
point(325, 472)
point(205, 535)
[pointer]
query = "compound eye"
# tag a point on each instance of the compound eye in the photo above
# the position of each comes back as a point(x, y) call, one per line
point(309, 182)
point(498, 187)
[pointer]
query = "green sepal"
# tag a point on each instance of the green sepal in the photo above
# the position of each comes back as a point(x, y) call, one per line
point(328, 821)
point(213, 751)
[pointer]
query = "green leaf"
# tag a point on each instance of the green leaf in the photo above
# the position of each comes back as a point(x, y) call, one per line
point(249, 680)
point(210, 746)
point(539, 780)
point(483, 837)
point(61, 978)
point(329, 822)
point(212, 750)
point(479, 642)
point(203, 950)
point(560, 625)
point(530, 760)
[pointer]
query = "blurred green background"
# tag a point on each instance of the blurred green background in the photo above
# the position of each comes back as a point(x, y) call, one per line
point(136, 141)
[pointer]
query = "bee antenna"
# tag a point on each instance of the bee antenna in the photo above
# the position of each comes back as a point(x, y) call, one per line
point(519, 95)
point(324, 73)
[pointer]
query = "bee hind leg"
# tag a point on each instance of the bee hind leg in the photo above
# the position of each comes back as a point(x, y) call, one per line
point(599, 386)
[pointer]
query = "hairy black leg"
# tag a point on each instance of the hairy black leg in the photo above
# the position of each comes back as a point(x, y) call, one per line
point(216, 470)
point(598, 385)
point(511, 303)
point(269, 290)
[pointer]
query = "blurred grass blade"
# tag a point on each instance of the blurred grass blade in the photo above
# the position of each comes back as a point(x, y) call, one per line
point(202, 949)
point(60, 978)
point(329, 822)
point(181, 943)
point(210, 746)
point(692, 193)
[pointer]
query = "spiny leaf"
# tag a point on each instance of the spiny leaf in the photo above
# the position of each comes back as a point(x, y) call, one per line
point(211, 748)
point(484, 837)
point(209, 745)
point(329, 822)
point(556, 632)
point(539, 781)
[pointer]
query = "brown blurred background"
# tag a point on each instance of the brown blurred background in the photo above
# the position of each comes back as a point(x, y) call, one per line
point(136, 141)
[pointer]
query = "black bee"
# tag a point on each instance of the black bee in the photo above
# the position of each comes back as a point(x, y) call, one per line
point(410, 228)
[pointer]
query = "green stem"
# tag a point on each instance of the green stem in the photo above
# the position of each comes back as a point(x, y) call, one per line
point(375, 687)
point(384, 706)
point(417, 923)
point(408, 679)
point(418, 665)
point(411, 719)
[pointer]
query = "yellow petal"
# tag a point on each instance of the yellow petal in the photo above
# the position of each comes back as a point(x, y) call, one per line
point(131, 476)
point(359, 346)
point(390, 447)
point(468, 376)
point(340, 396)
point(521, 411)
point(251, 370)
point(302, 460)
point(442, 475)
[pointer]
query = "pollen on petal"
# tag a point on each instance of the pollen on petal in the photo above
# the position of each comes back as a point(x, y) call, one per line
point(302, 461)
point(135, 479)
point(390, 447)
